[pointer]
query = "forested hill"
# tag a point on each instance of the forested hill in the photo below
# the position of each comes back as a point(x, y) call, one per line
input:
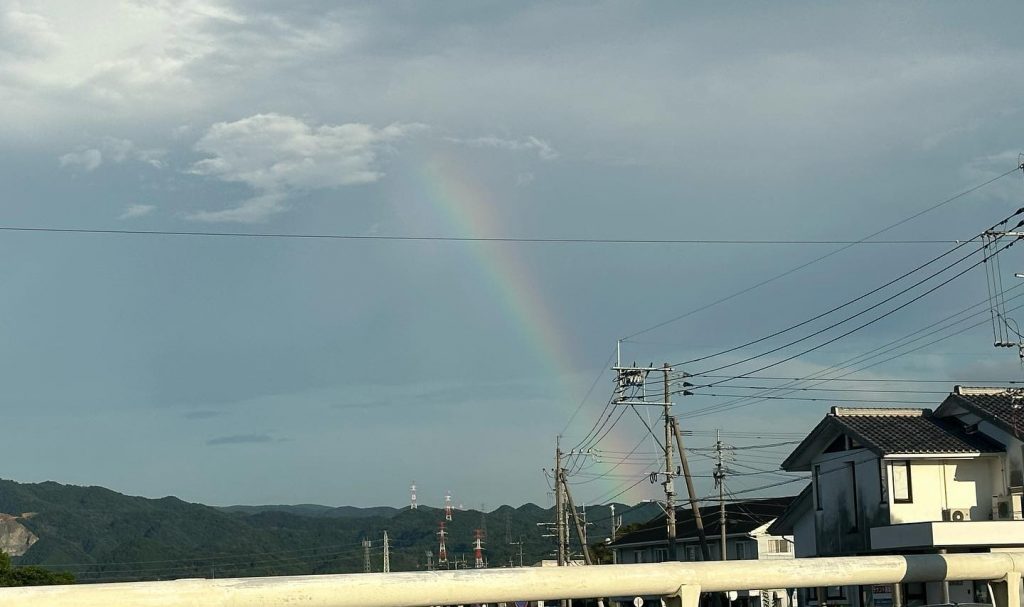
point(102, 535)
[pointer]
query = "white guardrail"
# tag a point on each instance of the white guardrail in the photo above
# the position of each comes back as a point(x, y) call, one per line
point(680, 583)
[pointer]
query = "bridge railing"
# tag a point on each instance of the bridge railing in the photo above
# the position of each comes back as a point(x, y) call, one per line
point(679, 583)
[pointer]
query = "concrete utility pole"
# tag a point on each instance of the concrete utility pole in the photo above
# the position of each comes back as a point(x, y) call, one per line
point(559, 504)
point(576, 520)
point(720, 481)
point(705, 550)
point(670, 491)
point(387, 554)
point(633, 380)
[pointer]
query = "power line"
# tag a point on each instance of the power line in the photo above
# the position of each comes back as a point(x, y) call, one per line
point(823, 257)
point(868, 323)
point(507, 239)
point(743, 402)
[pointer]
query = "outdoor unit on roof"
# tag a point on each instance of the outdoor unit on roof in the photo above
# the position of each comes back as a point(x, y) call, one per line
point(956, 514)
point(1007, 507)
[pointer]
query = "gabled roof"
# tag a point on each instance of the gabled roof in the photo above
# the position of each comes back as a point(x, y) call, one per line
point(786, 522)
point(741, 517)
point(1000, 406)
point(889, 432)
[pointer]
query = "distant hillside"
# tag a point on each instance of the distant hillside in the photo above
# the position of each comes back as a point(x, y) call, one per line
point(102, 535)
point(316, 510)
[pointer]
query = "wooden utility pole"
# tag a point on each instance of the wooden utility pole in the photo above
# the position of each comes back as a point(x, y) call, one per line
point(705, 550)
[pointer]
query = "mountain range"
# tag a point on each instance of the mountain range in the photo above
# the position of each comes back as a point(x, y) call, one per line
point(101, 535)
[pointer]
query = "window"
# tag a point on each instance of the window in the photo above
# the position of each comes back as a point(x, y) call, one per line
point(741, 551)
point(778, 546)
point(883, 480)
point(817, 486)
point(691, 553)
point(902, 486)
point(852, 467)
point(660, 555)
point(638, 556)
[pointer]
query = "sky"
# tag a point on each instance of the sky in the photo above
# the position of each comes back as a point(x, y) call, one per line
point(230, 370)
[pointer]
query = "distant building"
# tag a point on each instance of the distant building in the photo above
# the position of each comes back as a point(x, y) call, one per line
point(747, 538)
point(902, 481)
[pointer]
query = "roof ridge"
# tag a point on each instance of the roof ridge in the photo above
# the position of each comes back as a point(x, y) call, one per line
point(979, 390)
point(877, 411)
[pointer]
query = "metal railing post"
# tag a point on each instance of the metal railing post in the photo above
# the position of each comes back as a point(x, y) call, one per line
point(688, 595)
point(1006, 593)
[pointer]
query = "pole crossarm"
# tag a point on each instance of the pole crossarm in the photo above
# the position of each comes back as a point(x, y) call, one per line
point(415, 589)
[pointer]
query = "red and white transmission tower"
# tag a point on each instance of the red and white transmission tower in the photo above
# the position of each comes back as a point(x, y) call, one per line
point(448, 506)
point(442, 552)
point(478, 549)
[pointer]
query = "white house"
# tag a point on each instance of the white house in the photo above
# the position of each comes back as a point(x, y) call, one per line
point(902, 481)
point(747, 538)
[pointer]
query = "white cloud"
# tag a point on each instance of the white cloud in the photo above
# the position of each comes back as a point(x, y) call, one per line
point(276, 155)
point(26, 34)
point(113, 150)
point(137, 210)
point(88, 160)
point(531, 143)
point(524, 179)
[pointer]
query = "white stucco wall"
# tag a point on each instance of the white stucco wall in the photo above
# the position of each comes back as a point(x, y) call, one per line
point(937, 484)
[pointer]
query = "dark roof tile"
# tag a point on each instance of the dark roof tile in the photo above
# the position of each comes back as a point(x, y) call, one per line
point(910, 431)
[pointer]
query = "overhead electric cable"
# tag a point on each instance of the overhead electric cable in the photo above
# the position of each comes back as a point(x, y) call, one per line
point(821, 258)
point(498, 239)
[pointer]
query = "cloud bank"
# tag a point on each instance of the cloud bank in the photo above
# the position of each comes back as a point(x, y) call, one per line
point(276, 155)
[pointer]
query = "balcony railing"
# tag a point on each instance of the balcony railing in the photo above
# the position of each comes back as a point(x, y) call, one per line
point(679, 583)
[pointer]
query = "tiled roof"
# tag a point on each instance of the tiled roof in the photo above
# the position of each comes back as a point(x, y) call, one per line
point(741, 517)
point(909, 431)
point(1001, 406)
point(887, 432)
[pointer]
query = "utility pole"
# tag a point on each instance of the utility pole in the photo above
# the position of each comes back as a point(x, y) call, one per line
point(559, 504)
point(366, 556)
point(670, 504)
point(616, 523)
point(720, 482)
point(580, 533)
point(387, 554)
point(631, 384)
point(705, 550)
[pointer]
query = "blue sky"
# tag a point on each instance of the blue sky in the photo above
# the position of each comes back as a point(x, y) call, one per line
point(230, 370)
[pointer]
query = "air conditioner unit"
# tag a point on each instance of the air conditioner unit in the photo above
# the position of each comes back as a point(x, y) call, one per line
point(956, 514)
point(1007, 507)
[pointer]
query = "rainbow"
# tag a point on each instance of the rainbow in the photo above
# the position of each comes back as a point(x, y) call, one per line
point(468, 209)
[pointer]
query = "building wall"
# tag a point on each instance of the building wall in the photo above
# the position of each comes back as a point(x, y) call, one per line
point(1010, 470)
point(804, 536)
point(845, 508)
point(947, 483)
point(753, 548)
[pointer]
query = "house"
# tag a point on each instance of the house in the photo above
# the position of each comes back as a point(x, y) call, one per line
point(747, 537)
point(902, 481)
